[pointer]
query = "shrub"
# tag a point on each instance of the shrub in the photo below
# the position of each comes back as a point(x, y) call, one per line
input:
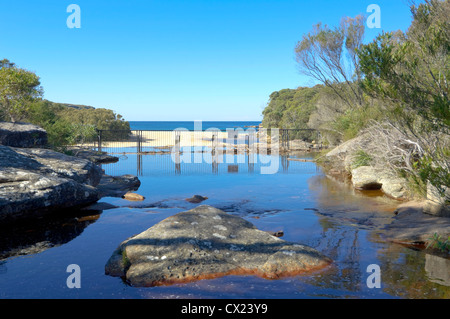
point(361, 158)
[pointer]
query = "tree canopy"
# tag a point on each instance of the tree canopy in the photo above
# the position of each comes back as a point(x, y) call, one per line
point(21, 99)
point(18, 87)
point(412, 70)
point(290, 108)
point(395, 88)
point(329, 55)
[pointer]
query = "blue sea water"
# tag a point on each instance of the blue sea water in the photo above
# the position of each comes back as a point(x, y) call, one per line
point(190, 125)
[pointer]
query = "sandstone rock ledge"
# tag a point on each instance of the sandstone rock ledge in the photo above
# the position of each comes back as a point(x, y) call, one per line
point(412, 226)
point(206, 243)
point(22, 135)
point(34, 182)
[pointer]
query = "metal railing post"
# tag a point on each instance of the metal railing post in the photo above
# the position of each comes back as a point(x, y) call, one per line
point(99, 136)
point(138, 145)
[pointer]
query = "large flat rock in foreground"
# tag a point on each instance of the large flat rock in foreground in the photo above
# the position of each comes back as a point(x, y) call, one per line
point(205, 243)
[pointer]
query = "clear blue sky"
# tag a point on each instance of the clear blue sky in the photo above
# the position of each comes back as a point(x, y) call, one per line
point(170, 59)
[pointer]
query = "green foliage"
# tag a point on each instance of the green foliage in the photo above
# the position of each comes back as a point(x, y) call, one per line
point(114, 126)
point(361, 158)
point(68, 126)
point(338, 107)
point(437, 242)
point(101, 119)
point(412, 70)
point(427, 170)
point(290, 108)
point(410, 73)
point(353, 120)
point(416, 186)
point(81, 134)
point(17, 88)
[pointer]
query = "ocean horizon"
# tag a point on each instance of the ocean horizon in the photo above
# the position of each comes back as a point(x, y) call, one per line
point(190, 125)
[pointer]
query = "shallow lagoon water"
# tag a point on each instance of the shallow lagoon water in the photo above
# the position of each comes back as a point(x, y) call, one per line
point(299, 200)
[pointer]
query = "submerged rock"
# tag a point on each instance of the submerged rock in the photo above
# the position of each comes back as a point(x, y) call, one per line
point(38, 235)
point(118, 186)
point(207, 243)
point(279, 233)
point(196, 199)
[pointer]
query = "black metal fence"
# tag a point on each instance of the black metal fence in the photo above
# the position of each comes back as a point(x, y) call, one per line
point(163, 142)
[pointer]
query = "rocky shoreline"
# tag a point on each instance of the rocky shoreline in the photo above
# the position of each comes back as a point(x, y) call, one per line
point(415, 221)
point(36, 181)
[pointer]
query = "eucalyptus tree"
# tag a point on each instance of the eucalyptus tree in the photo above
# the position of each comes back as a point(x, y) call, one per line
point(329, 55)
point(410, 72)
point(17, 88)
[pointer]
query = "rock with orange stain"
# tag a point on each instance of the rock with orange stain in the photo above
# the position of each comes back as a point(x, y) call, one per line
point(205, 243)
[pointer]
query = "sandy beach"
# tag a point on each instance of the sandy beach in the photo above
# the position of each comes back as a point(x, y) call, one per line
point(168, 139)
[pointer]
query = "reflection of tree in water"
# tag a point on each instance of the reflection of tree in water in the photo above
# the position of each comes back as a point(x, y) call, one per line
point(407, 273)
point(404, 272)
point(37, 236)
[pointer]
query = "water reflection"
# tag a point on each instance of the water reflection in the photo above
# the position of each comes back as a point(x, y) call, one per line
point(438, 269)
point(351, 223)
point(210, 163)
point(413, 273)
point(25, 238)
point(343, 246)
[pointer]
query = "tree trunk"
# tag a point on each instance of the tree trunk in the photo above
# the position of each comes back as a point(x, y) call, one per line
point(9, 111)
